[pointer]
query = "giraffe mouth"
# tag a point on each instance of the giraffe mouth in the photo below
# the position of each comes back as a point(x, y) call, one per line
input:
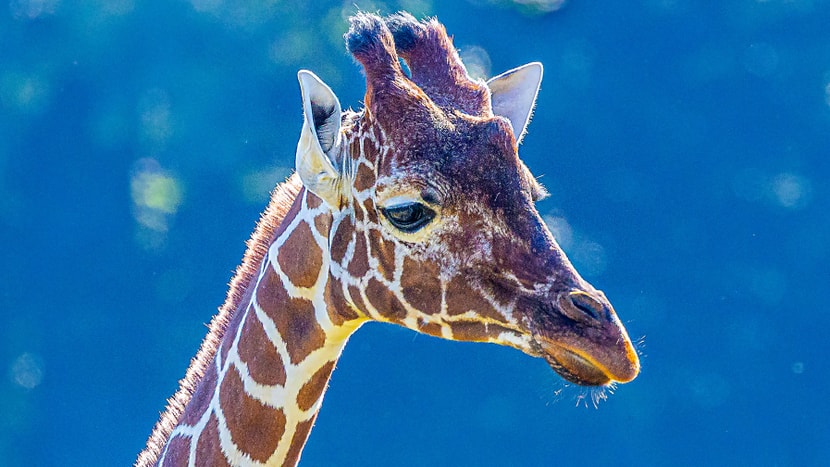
point(574, 366)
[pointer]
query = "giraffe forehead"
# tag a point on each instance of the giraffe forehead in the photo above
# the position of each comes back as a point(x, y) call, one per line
point(476, 154)
point(449, 134)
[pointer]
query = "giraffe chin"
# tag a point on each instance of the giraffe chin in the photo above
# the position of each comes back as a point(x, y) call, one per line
point(574, 367)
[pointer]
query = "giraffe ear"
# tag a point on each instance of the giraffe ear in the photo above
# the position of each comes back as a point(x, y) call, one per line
point(320, 140)
point(513, 95)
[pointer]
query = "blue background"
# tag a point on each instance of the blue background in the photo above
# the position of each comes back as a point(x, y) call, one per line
point(686, 148)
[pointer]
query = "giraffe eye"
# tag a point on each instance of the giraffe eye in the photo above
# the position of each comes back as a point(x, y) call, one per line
point(409, 217)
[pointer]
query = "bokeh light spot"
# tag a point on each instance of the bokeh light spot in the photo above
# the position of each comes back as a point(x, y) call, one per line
point(590, 258)
point(239, 14)
point(156, 196)
point(477, 61)
point(541, 6)
point(258, 184)
point(292, 48)
point(32, 9)
point(786, 189)
point(23, 92)
point(561, 230)
point(790, 190)
point(418, 8)
point(27, 371)
point(206, 6)
point(155, 116)
point(117, 7)
point(157, 192)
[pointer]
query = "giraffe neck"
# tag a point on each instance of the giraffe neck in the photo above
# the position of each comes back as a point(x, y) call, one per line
point(261, 393)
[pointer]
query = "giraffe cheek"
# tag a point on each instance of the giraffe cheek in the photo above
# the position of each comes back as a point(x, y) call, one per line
point(384, 301)
point(421, 285)
point(462, 298)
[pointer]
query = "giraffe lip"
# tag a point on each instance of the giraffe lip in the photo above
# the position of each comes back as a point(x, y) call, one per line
point(575, 366)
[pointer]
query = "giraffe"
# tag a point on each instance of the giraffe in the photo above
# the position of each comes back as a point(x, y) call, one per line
point(415, 210)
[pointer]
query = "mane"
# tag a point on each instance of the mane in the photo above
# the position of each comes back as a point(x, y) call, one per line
point(282, 198)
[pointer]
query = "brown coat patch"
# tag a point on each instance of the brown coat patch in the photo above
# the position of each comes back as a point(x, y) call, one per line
point(433, 329)
point(255, 428)
point(298, 441)
point(314, 387)
point(470, 331)
point(236, 321)
point(209, 448)
point(201, 398)
point(384, 301)
point(384, 251)
point(312, 200)
point(364, 178)
point(323, 223)
point(358, 211)
point(255, 349)
point(178, 452)
point(337, 305)
point(371, 214)
point(340, 241)
point(357, 298)
point(300, 257)
point(294, 318)
point(421, 286)
point(461, 298)
point(359, 264)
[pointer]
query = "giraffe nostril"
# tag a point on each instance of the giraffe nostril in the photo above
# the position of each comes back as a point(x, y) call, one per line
point(584, 307)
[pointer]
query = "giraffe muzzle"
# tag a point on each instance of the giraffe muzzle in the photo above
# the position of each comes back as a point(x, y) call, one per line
point(593, 347)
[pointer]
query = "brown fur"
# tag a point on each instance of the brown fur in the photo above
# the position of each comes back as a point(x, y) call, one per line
point(282, 198)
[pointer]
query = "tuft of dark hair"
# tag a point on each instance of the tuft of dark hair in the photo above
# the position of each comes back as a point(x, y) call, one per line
point(364, 34)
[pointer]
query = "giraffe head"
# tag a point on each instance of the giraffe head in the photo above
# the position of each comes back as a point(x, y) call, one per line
point(433, 223)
